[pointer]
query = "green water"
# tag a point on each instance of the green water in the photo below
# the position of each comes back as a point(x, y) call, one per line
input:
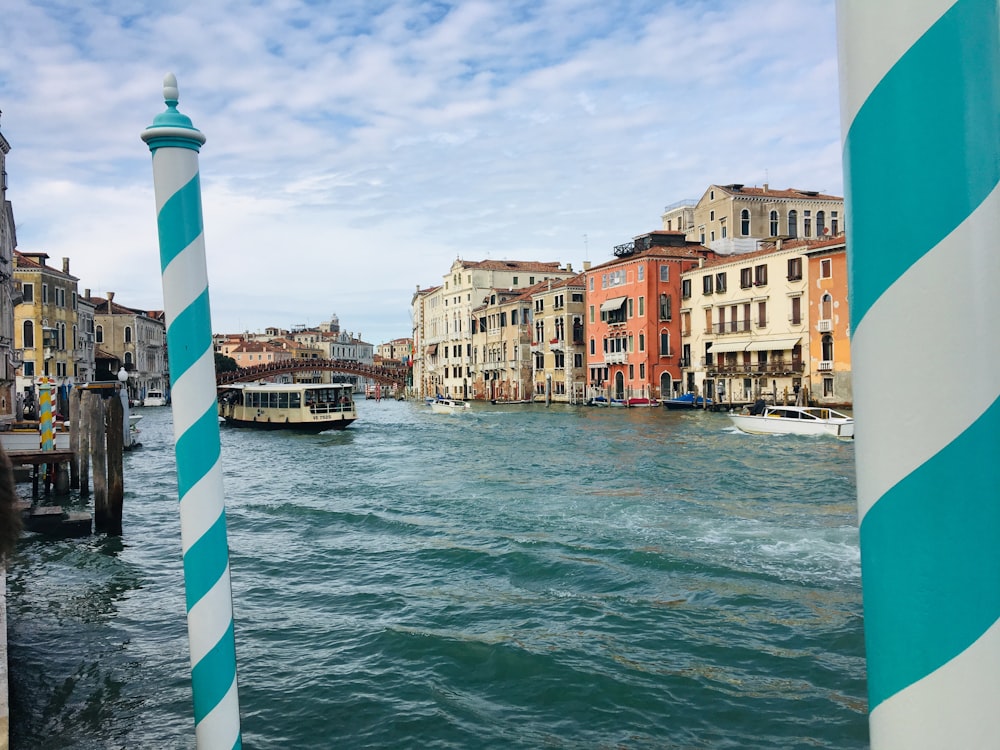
point(517, 577)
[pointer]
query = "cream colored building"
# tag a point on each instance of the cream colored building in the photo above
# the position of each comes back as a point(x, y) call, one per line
point(45, 327)
point(744, 325)
point(501, 346)
point(558, 346)
point(443, 363)
point(736, 218)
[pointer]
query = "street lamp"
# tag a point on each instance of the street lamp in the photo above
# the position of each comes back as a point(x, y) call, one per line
point(123, 375)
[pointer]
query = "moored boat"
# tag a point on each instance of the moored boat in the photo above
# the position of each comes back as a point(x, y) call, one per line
point(308, 407)
point(687, 401)
point(794, 420)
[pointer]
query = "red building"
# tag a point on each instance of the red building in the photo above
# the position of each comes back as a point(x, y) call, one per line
point(633, 327)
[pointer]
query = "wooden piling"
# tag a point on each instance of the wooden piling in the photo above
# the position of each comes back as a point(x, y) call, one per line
point(83, 436)
point(115, 434)
point(74, 438)
point(99, 462)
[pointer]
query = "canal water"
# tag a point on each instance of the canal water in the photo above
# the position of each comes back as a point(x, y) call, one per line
point(514, 577)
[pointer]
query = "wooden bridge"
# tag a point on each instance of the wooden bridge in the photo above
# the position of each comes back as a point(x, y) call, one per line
point(389, 374)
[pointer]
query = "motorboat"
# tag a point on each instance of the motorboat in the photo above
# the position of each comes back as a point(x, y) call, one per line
point(154, 398)
point(449, 406)
point(687, 401)
point(762, 419)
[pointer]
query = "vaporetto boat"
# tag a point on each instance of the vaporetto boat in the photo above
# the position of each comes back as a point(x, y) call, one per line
point(308, 407)
point(794, 420)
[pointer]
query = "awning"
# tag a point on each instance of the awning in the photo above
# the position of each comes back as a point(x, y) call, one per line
point(777, 345)
point(613, 304)
point(432, 349)
point(721, 347)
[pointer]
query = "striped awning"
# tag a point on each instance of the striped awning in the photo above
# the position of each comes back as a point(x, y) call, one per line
point(775, 345)
point(613, 304)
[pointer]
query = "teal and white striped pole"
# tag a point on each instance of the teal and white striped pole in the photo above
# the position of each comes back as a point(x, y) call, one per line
point(920, 110)
point(174, 143)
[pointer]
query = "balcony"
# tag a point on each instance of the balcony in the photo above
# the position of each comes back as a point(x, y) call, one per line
point(615, 358)
point(780, 367)
point(825, 326)
point(826, 365)
point(556, 345)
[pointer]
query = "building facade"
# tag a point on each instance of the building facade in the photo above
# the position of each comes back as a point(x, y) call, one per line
point(830, 380)
point(45, 328)
point(558, 346)
point(443, 363)
point(501, 346)
point(632, 327)
point(735, 218)
point(10, 357)
point(137, 338)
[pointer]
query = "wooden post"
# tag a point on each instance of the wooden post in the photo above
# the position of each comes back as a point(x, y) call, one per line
point(83, 432)
point(74, 438)
point(99, 462)
point(116, 446)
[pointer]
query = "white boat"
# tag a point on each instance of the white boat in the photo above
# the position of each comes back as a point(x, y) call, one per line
point(309, 407)
point(449, 406)
point(794, 420)
point(154, 398)
point(24, 436)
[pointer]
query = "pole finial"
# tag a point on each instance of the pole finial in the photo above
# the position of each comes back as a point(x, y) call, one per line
point(170, 94)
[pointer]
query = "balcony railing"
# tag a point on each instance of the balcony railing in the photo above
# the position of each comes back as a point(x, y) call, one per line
point(732, 326)
point(780, 367)
point(826, 365)
point(825, 326)
point(615, 358)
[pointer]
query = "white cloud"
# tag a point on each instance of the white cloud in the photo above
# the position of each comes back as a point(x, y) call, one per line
point(356, 148)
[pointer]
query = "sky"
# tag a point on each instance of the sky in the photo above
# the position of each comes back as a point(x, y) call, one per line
point(356, 148)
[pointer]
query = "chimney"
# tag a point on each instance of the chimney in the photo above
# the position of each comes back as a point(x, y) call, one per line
point(569, 268)
point(111, 298)
point(586, 265)
point(86, 294)
point(66, 266)
point(765, 187)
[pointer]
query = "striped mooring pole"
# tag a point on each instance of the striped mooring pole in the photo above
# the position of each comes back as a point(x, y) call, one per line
point(920, 111)
point(175, 143)
point(45, 414)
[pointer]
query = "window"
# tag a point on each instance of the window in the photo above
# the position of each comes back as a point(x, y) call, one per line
point(826, 268)
point(640, 273)
point(793, 223)
point(642, 307)
point(794, 269)
point(591, 283)
point(578, 360)
point(746, 278)
point(711, 215)
point(665, 305)
point(834, 222)
point(593, 349)
point(826, 307)
point(45, 294)
point(827, 386)
point(591, 313)
point(29, 369)
point(686, 289)
point(722, 228)
point(576, 297)
point(28, 340)
point(773, 219)
point(664, 344)
point(762, 314)
point(99, 334)
point(642, 342)
point(642, 371)
point(128, 334)
point(796, 311)
point(827, 347)
point(128, 359)
point(745, 223)
point(807, 223)
point(515, 281)
point(630, 307)
point(664, 272)
point(760, 275)
point(28, 292)
point(706, 284)
point(820, 223)
point(720, 281)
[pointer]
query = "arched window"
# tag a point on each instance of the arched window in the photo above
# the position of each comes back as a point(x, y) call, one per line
point(773, 218)
point(826, 307)
point(827, 347)
point(128, 334)
point(745, 222)
point(820, 223)
point(128, 359)
point(99, 334)
point(29, 335)
point(664, 343)
point(793, 223)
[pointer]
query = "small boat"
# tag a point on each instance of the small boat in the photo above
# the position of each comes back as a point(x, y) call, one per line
point(509, 401)
point(604, 401)
point(154, 398)
point(762, 419)
point(642, 401)
point(449, 406)
point(687, 401)
point(306, 407)
point(25, 436)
